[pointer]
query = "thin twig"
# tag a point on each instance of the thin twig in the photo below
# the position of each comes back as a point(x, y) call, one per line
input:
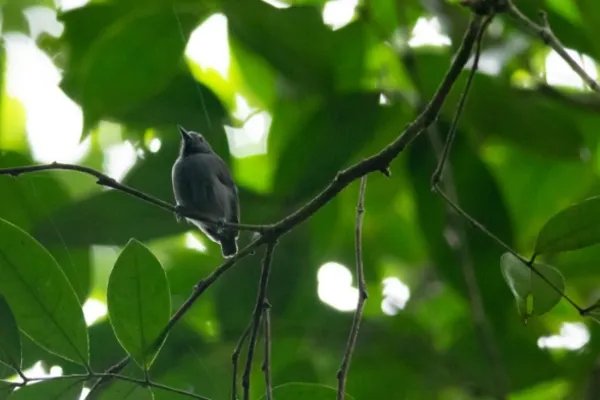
point(258, 311)
point(435, 178)
point(362, 293)
point(528, 263)
point(480, 320)
point(544, 31)
point(235, 356)
point(266, 367)
point(107, 181)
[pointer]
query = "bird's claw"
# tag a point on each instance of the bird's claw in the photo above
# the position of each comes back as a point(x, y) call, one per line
point(221, 226)
point(179, 213)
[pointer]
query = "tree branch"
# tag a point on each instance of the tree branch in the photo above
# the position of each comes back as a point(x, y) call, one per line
point(266, 367)
point(107, 181)
point(256, 317)
point(544, 31)
point(235, 356)
point(362, 293)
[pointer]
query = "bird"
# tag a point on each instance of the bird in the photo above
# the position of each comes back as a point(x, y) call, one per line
point(202, 183)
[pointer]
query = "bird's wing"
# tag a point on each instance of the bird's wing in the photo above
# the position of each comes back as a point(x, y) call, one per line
point(224, 176)
point(223, 173)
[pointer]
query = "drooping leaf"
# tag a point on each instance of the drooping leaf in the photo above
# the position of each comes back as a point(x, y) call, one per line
point(573, 228)
point(10, 342)
point(139, 302)
point(301, 391)
point(53, 389)
point(535, 295)
point(41, 298)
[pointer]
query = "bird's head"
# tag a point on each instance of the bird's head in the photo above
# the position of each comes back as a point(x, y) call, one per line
point(192, 143)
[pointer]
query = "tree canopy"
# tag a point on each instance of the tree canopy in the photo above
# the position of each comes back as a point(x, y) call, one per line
point(482, 284)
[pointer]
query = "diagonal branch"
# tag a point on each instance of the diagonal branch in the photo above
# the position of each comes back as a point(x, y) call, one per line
point(362, 293)
point(544, 31)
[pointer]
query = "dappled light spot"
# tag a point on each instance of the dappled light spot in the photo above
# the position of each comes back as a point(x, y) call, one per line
point(276, 3)
point(192, 242)
point(84, 393)
point(65, 5)
point(251, 138)
point(208, 45)
point(572, 336)
point(38, 371)
point(383, 100)
point(559, 73)
point(93, 310)
point(154, 145)
point(335, 287)
point(339, 13)
point(395, 295)
point(53, 121)
point(428, 32)
point(119, 159)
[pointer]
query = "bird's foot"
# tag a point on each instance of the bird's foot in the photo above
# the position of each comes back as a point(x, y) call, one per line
point(221, 228)
point(179, 210)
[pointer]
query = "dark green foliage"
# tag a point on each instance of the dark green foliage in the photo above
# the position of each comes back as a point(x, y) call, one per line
point(524, 164)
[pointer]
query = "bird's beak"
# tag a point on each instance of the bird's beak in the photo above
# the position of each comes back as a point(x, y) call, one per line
point(184, 134)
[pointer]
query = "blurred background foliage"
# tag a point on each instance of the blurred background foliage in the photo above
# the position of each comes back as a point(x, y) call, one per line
point(289, 94)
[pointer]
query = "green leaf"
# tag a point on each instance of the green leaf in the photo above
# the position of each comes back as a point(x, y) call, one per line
point(343, 125)
point(123, 390)
point(573, 228)
point(10, 341)
point(132, 60)
point(40, 296)
point(302, 391)
point(300, 30)
point(5, 390)
point(139, 302)
point(53, 389)
point(534, 295)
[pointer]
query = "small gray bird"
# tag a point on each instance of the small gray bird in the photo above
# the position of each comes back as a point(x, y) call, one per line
point(203, 183)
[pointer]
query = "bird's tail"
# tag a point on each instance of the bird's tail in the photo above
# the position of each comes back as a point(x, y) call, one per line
point(229, 246)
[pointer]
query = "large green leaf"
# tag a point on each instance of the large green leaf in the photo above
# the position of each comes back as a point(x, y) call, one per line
point(342, 125)
point(40, 296)
point(534, 295)
point(134, 59)
point(5, 390)
point(299, 30)
point(139, 302)
point(183, 101)
point(54, 389)
point(544, 126)
point(573, 228)
point(119, 56)
point(10, 342)
point(589, 10)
